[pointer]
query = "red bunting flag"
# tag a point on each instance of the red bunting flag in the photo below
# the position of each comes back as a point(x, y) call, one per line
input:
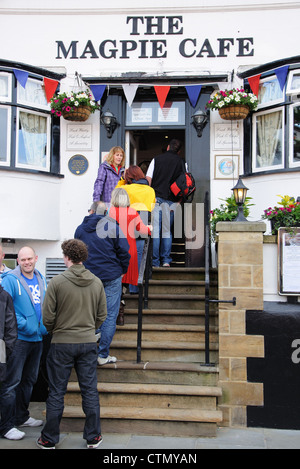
point(254, 83)
point(162, 93)
point(50, 87)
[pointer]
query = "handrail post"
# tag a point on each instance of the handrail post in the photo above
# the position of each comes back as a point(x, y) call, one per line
point(144, 267)
point(147, 272)
point(207, 278)
point(139, 329)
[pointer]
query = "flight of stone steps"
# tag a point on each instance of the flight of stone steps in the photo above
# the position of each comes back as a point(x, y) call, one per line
point(171, 391)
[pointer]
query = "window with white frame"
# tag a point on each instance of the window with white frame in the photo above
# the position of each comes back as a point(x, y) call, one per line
point(5, 86)
point(293, 84)
point(270, 92)
point(33, 140)
point(268, 140)
point(294, 150)
point(5, 118)
point(33, 94)
point(29, 110)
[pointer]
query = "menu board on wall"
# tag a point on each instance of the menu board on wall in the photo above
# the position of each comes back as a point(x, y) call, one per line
point(289, 262)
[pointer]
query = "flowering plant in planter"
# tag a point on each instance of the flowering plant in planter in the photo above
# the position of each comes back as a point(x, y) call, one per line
point(227, 212)
point(235, 96)
point(69, 102)
point(285, 216)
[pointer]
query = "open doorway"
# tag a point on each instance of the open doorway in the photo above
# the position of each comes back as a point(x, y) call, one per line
point(143, 145)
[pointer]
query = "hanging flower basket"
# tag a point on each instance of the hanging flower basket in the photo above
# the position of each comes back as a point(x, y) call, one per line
point(73, 106)
point(81, 113)
point(233, 104)
point(234, 112)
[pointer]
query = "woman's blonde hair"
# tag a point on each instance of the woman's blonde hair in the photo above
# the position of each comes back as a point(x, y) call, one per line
point(110, 156)
point(119, 198)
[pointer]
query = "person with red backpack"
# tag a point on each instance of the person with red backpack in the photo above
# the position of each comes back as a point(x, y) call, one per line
point(163, 170)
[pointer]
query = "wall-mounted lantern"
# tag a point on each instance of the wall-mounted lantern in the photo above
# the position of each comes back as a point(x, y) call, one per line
point(199, 121)
point(109, 121)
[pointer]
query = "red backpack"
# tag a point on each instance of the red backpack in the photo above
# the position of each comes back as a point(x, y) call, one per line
point(184, 187)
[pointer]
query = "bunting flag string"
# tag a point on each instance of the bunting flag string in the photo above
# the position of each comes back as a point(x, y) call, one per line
point(193, 92)
point(50, 87)
point(97, 91)
point(281, 74)
point(223, 85)
point(21, 76)
point(130, 92)
point(254, 83)
point(162, 93)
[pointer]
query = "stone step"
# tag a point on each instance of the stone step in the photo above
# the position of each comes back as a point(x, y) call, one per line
point(167, 351)
point(146, 420)
point(149, 395)
point(157, 372)
point(182, 273)
point(180, 287)
point(167, 301)
point(170, 316)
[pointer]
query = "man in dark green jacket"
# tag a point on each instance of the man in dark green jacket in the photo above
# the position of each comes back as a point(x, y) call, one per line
point(74, 307)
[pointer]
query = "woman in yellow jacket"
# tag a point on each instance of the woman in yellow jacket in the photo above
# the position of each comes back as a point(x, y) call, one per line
point(142, 199)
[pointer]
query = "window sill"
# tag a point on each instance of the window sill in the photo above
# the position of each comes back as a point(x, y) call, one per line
point(31, 171)
point(272, 171)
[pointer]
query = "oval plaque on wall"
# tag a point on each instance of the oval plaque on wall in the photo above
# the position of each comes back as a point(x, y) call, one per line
point(78, 164)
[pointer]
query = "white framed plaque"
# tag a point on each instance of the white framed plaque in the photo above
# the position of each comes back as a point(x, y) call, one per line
point(226, 166)
point(79, 137)
point(227, 136)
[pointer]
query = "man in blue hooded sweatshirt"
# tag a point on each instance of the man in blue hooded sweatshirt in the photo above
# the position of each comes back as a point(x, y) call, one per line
point(108, 259)
point(27, 287)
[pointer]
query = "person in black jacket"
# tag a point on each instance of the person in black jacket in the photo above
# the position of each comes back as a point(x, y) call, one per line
point(8, 335)
point(162, 172)
point(8, 330)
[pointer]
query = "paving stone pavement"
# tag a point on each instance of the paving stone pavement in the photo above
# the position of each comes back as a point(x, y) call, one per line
point(227, 438)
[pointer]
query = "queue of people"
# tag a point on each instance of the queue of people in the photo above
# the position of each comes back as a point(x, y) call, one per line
point(80, 307)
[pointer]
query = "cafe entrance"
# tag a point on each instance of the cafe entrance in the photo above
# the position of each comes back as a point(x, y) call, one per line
point(144, 130)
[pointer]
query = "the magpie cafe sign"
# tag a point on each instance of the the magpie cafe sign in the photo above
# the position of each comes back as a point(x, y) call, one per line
point(151, 37)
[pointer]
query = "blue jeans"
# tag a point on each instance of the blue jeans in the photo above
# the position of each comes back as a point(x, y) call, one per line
point(113, 291)
point(163, 219)
point(15, 393)
point(60, 361)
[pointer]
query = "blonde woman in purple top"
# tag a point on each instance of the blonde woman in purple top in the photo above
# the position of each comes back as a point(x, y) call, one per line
point(109, 174)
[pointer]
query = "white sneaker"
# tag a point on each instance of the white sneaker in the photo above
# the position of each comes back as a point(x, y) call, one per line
point(31, 422)
point(104, 361)
point(14, 434)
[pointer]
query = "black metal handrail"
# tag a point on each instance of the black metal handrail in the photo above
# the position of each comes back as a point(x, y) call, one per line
point(207, 273)
point(143, 286)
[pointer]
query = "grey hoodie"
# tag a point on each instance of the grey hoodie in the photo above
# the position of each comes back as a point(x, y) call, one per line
point(74, 306)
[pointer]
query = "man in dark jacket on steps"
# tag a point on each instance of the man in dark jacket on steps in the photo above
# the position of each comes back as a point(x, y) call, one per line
point(74, 307)
point(162, 172)
point(108, 259)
